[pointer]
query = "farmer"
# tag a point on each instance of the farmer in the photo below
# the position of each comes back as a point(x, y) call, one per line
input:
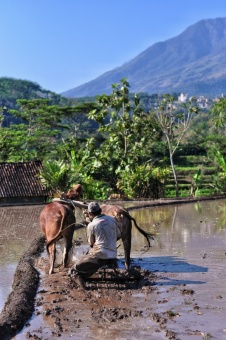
point(102, 237)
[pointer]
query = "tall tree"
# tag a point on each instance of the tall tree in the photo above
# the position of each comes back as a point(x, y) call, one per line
point(76, 120)
point(40, 126)
point(126, 131)
point(174, 123)
point(45, 130)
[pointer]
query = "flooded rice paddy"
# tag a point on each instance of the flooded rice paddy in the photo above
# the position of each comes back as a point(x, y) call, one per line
point(188, 257)
point(18, 227)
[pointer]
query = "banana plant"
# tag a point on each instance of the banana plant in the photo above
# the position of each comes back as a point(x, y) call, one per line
point(219, 179)
point(196, 181)
point(56, 176)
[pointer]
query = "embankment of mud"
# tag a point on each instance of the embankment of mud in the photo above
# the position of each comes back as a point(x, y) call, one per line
point(19, 306)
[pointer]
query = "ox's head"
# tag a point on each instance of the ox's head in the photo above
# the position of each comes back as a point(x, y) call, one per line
point(74, 193)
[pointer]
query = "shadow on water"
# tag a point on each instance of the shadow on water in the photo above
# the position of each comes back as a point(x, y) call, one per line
point(170, 282)
point(169, 264)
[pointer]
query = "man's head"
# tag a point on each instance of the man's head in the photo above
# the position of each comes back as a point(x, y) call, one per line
point(94, 208)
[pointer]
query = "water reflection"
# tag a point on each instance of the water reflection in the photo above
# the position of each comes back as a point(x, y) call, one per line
point(192, 230)
point(10, 253)
point(18, 227)
point(193, 225)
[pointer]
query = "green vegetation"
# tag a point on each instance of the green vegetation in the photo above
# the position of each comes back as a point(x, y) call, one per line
point(174, 122)
point(123, 143)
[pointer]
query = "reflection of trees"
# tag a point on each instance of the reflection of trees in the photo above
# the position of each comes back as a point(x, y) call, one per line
point(151, 218)
point(198, 207)
point(173, 224)
point(221, 221)
point(157, 220)
point(180, 224)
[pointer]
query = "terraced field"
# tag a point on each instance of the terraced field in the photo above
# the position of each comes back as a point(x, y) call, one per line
point(187, 168)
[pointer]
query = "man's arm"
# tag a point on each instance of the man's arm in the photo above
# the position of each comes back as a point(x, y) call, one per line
point(90, 236)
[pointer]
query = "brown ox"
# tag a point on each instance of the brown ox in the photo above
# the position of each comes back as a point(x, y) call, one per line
point(57, 220)
point(125, 222)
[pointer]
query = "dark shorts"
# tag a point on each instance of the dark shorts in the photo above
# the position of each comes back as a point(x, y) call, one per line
point(89, 264)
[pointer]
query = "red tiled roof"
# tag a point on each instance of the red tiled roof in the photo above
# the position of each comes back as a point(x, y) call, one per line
point(20, 180)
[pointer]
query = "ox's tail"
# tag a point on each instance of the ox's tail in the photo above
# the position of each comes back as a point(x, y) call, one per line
point(77, 226)
point(58, 235)
point(148, 236)
point(55, 239)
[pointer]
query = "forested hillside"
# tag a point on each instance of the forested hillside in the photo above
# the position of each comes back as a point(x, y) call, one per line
point(12, 89)
point(134, 145)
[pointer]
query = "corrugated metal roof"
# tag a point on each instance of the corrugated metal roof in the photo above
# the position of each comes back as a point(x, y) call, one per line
point(20, 180)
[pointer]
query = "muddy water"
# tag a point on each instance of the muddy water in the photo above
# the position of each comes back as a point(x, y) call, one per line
point(189, 258)
point(10, 253)
point(18, 227)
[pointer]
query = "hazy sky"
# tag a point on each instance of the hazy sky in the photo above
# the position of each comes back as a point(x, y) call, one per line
point(61, 44)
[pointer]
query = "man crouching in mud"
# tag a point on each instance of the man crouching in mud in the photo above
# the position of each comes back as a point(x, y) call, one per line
point(102, 233)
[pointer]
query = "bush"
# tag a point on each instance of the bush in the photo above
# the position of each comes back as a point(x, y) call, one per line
point(143, 181)
point(95, 189)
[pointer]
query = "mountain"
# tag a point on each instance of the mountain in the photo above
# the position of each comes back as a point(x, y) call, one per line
point(193, 62)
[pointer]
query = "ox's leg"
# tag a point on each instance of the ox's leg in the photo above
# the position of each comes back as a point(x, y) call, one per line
point(67, 247)
point(126, 239)
point(52, 255)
